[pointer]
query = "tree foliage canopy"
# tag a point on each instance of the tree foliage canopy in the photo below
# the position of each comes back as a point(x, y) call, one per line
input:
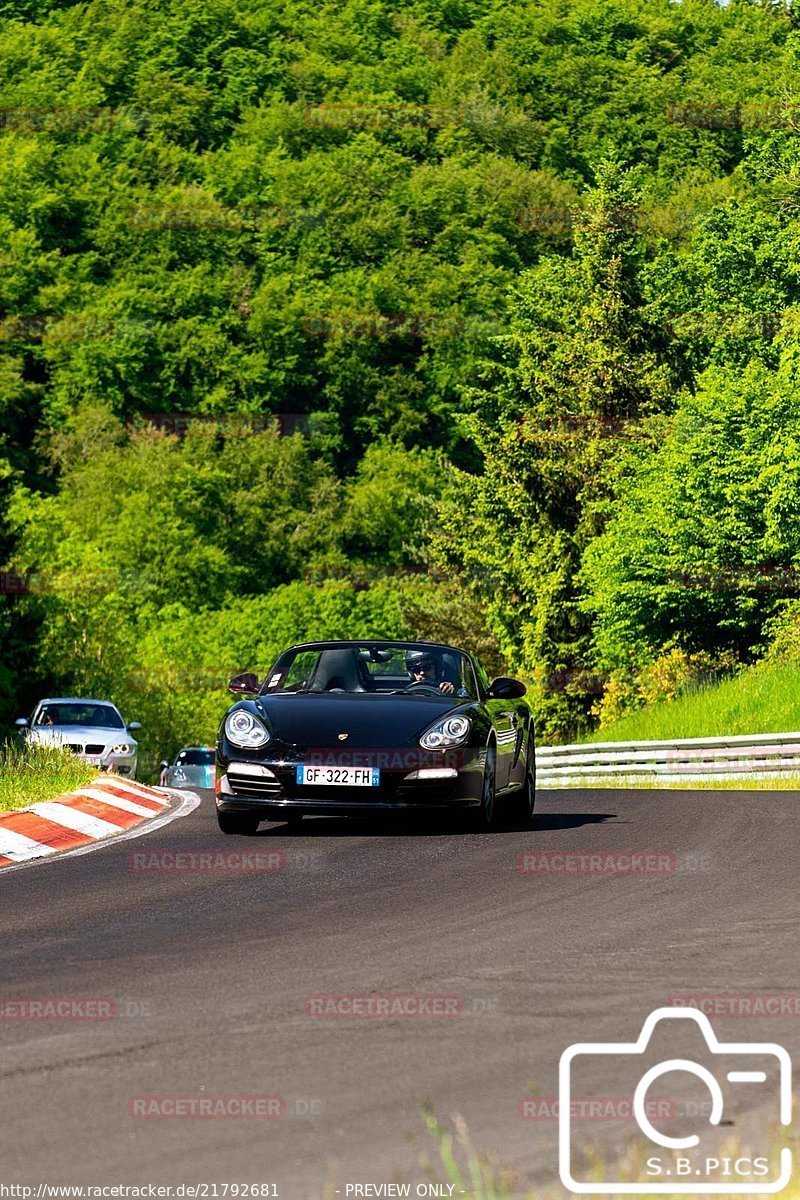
point(521, 277)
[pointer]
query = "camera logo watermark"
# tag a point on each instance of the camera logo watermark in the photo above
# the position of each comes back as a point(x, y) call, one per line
point(691, 1163)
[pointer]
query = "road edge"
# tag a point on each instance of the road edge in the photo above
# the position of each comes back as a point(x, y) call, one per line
point(104, 813)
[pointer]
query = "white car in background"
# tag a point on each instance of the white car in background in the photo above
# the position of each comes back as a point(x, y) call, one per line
point(92, 729)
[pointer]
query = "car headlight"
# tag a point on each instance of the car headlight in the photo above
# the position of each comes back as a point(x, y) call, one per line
point(452, 731)
point(243, 729)
point(122, 748)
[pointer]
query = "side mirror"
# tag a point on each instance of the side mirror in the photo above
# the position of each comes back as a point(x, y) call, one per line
point(163, 765)
point(22, 722)
point(134, 725)
point(244, 685)
point(504, 688)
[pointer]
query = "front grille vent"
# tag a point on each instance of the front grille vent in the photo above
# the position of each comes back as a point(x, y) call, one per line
point(262, 786)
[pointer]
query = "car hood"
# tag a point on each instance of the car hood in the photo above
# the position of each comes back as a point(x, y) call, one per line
point(56, 735)
point(368, 720)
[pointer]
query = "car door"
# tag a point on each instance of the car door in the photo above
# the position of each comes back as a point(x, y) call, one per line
point(504, 716)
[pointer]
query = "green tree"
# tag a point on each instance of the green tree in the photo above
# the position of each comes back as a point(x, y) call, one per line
point(579, 369)
point(703, 545)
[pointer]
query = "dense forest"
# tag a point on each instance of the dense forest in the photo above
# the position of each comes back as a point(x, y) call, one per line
point(468, 319)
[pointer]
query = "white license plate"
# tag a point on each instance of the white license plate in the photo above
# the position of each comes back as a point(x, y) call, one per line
point(92, 760)
point(339, 776)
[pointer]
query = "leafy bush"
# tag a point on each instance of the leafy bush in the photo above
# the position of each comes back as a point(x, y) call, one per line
point(672, 673)
point(458, 241)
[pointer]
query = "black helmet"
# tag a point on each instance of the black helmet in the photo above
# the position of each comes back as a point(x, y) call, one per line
point(417, 659)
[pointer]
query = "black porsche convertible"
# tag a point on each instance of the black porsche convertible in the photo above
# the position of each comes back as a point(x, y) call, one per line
point(356, 727)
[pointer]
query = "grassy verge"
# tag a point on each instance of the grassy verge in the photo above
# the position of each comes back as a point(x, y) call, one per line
point(31, 774)
point(482, 1177)
point(785, 783)
point(763, 699)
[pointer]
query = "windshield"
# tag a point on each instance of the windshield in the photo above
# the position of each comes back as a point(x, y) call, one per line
point(100, 716)
point(418, 668)
point(195, 758)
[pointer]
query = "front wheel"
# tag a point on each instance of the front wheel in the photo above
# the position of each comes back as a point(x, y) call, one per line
point(242, 823)
point(481, 820)
point(523, 801)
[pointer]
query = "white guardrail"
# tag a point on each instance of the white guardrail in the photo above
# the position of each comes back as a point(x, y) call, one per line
point(762, 755)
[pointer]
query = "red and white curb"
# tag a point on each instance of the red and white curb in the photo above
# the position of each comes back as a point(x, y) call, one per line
point(109, 807)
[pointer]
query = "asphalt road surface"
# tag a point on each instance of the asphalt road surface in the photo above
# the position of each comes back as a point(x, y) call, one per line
point(209, 974)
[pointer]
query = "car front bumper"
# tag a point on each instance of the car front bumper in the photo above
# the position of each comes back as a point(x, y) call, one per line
point(121, 764)
point(102, 757)
point(250, 786)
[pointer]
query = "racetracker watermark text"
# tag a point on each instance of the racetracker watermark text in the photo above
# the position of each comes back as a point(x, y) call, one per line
point(753, 1004)
point(207, 861)
point(397, 1005)
point(71, 1008)
point(617, 862)
point(234, 1107)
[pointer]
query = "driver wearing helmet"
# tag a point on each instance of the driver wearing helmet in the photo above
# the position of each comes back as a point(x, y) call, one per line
point(424, 667)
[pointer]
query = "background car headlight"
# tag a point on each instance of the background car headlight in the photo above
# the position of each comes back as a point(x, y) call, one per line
point(243, 729)
point(452, 731)
point(122, 748)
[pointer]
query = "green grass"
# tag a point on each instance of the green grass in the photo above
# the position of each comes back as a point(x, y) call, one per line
point(773, 783)
point(482, 1177)
point(475, 1176)
point(768, 784)
point(763, 699)
point(31, 774)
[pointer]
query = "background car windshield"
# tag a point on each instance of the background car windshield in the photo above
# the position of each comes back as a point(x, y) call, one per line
point(371, 667)
point(100, 716)
point(194, 758)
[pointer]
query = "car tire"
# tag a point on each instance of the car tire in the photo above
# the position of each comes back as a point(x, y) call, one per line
point(482, 819)
point(242, 823)
point(524, 801)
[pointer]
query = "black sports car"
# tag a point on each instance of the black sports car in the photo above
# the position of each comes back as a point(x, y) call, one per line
point(363, 726)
